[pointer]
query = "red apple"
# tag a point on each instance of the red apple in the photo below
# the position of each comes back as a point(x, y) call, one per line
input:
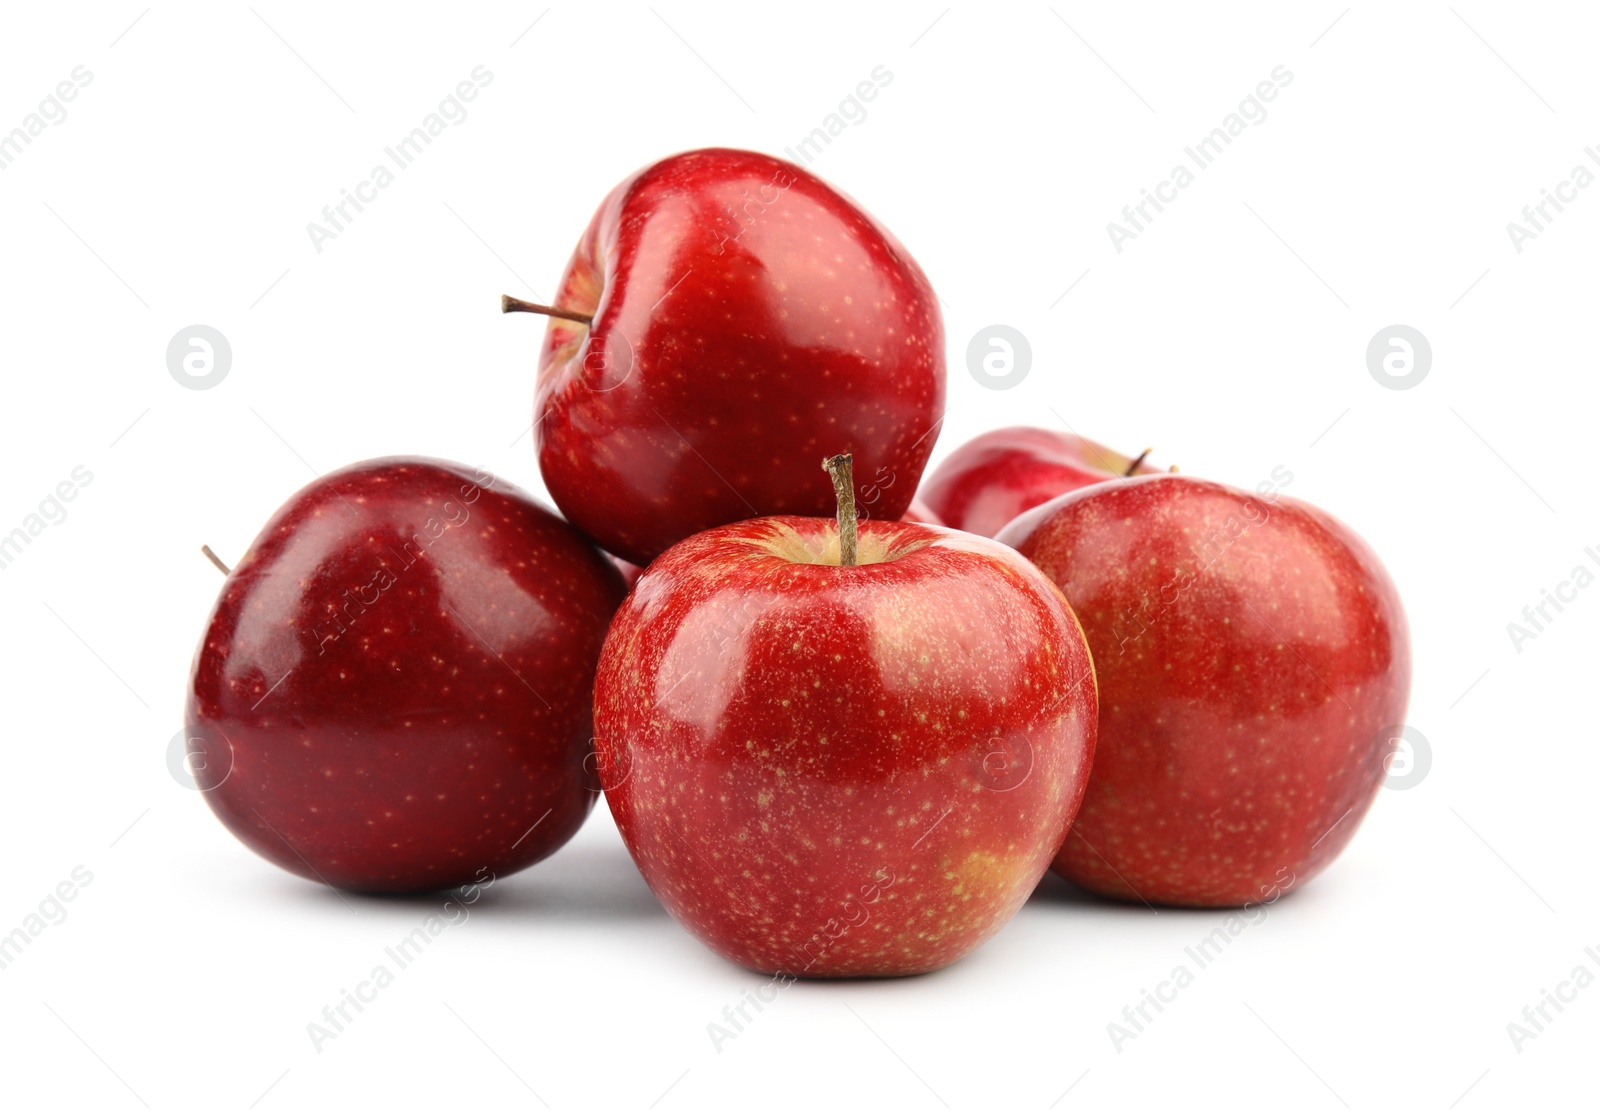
point(920, 513)
point(834, 770)
point(1253, 659)
point(986, 483)
point(734, 319)
point(393, 691)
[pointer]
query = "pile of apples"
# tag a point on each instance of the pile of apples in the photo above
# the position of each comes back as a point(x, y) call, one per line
point(842, 732)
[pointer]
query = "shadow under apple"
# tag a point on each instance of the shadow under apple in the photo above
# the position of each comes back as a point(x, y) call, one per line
point(588, 883)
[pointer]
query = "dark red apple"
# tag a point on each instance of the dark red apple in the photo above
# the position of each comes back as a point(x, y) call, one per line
point(393, 691)
point(835, 770)
point(735, 319)
point(1253, 660)
point(986, 483)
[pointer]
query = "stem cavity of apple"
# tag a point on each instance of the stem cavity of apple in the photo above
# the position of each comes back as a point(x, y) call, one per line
point(206, 550)
point(844, 491)
point(508, 305)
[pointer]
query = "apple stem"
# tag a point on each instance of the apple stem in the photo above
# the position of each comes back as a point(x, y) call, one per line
point(844, 491)
point(215, 561)
point(1134, 465)
point(509, 304)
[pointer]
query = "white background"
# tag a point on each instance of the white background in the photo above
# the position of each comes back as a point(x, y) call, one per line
point(1230, 335)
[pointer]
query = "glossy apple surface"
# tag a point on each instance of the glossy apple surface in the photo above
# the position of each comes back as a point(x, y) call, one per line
point(986, 483)
point(832, 771)
point(1250, 655)
point(394, 685)
point(747, 320)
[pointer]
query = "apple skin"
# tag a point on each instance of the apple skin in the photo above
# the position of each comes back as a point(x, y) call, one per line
point(748, 319)
point(986, 483)
point(829, 771)
point(1244, 685)
point(371, 665)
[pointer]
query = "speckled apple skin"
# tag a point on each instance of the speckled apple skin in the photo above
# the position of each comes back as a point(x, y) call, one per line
point(748, 321)
point(433, 723)
point(828, 771)
point(1249, 654)
point(986, 483)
